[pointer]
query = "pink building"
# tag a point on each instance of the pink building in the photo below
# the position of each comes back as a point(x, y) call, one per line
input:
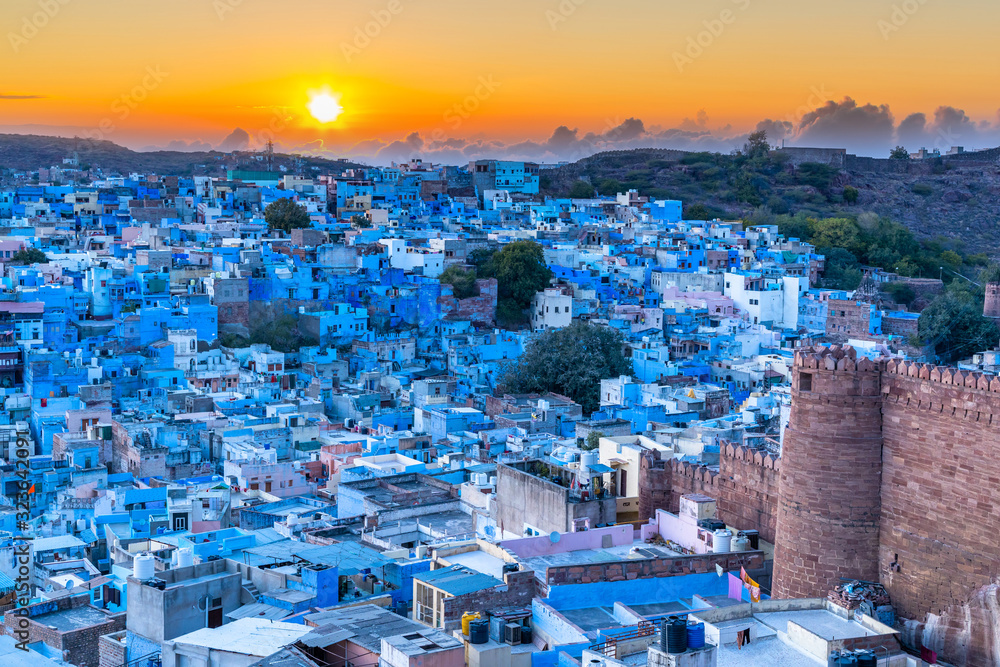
point(715, 302)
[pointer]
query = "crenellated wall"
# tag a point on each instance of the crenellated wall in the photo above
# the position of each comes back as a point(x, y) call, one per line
point(890, 472)
point(745, 487)
point(933, 448)
point(828, 509)
point(940, 508)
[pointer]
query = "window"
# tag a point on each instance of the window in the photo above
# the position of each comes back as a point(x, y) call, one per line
point(805, 382)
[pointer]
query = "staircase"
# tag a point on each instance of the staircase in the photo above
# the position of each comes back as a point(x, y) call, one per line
point(251, 588)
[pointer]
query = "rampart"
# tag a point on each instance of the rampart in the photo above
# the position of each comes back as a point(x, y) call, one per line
point(745, 487)
point(889, 472)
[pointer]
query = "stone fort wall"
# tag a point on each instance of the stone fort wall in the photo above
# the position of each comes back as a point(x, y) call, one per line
point(890, 472)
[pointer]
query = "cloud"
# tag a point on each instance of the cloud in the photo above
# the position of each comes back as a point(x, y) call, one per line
point(402, 151)
point(846, 125)
point(237, 140)
point(912, 131)
point(4, 96)
point(864, 129)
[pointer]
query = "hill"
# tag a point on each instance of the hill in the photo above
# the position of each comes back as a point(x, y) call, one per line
point(954, 197)
point(27, 152)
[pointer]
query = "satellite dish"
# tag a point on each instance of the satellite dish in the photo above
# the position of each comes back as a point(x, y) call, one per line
point(69, 584)
point(554, 536)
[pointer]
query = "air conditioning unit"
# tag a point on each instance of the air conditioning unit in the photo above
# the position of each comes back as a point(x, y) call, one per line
point(512, 633)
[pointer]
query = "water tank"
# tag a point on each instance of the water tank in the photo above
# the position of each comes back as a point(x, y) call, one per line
point(493, 481)
point(185, 557)
point(479, 631)
point(677, 641)
point(722, 541)
point(741, 543)
point(81, 525)
point(144, 566)
point(867, 658)
point(588, 459)
point(292, 520)
point(467, 618)
point(695, 635)
point(838, 659)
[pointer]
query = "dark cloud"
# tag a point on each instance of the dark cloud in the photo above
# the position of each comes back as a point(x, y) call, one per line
point(846, 125)
point(777, 130)
point(238, 140)
point(4, 96)
point(912, 131)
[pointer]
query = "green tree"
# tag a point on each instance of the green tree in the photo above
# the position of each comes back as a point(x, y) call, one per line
point(28, 256)
point(581, 190)
point(901, 293)
point(836, 233)
point(593, 440)
point(360, 222)
point(899, 153)
point(953, 324)
point(756, 146)
point(842, 269)
point(521, 272)
point(850, 194)
point(463, 283)
point(571, 362)
point(697, 212)
point(480, 259)
point(286, 215)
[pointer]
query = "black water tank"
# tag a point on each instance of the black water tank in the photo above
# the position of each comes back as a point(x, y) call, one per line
point(479, 631)
point(677, 636)
point(867, 658)
point(525, 634)
point(838, 659)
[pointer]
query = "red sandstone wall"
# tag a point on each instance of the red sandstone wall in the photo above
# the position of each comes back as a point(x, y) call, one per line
point(828, 509)
point(940, 508)
point(745, 487)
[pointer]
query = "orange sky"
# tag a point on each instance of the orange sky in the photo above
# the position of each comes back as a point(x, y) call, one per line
point(143, 72)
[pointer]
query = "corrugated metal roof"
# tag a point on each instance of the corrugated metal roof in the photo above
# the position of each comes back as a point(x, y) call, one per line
point(260, 610)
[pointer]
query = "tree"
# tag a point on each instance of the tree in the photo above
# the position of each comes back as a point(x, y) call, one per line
point(521, 272)
point(697, 212)
point(593, 440)
point(571, 362)
point(756, 145)
point(360, 222)
point(28, 256)
point(463, 283)
point(899, 153)
point(286, 215)
point(953, 324)
point(850, 194)
point(581, 190)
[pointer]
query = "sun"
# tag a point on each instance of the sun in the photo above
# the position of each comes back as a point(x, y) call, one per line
point(324, 105)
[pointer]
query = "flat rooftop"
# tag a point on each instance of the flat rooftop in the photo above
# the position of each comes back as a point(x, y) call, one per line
point(590, 556)
point(480, 561)
point(69, 620)
point(820, 622)
point(246, 636)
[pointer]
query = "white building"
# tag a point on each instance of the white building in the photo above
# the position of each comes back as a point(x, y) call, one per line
point(551, 309)
point(770, 301)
